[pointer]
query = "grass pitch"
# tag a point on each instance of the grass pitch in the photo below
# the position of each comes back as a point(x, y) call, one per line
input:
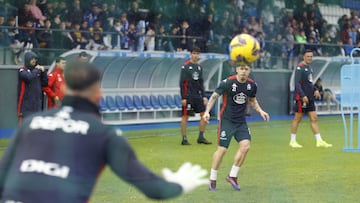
point(272, 172)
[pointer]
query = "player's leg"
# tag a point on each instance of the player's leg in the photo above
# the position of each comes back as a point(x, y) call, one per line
point(295, 123)
point(224, 136)
point(315, 129)
point(184, 120)
point(199, 107)
point(243, 137)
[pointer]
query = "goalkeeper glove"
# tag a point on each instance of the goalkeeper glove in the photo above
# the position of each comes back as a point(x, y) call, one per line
point(188, 176)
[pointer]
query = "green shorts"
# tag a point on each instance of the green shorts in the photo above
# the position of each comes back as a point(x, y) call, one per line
point(228, 129)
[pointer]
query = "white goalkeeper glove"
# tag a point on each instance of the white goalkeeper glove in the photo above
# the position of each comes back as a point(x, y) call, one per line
point(188, 176)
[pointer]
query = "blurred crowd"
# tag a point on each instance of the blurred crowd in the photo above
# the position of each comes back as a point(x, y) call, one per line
point(175, 25)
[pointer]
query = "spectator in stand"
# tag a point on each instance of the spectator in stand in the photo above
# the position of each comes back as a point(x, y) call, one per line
point(124, 31)
point(184, 37)
point(174, 40)
point(133, 13)
point(345, 34)
point(45, 35)
point(78, 40)
point(353, 35)
point(291, 54)
point(131, 37)
point(75, 12)
point(97, 35)
point(84, 28)
point(301, 40)
point(94, 14)
point(328, 45)
point(32, 77)
point(116, 35)
point(162, 40)
point(207, 28)
point(36, 13)
point(13, 36)
point(4, 37)
point(254, 24)
point(348, 47)
point(354, 18)
point(278, 51)
point(24, 15)
point(27, 35)
point(313, 46)
point(140, 33)
point(150, 38)
point(63, 38)
point(56, 84)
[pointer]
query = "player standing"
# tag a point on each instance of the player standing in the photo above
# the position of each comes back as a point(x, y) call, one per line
point(304, 101)
point(237, 90)
point(193, 97)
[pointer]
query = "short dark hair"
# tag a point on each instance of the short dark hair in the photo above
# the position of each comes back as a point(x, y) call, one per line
point(81, 75)
point(307, 51)
point(83, 54)
point(195, 49)
point(60, 58)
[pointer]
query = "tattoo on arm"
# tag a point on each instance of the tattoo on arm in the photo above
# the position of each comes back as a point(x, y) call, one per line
point(212, 101)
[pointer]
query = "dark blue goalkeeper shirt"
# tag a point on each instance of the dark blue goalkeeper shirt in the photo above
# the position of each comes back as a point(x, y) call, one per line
point(304, 82)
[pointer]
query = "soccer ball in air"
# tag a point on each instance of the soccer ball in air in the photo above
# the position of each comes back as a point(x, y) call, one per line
point(244, 49)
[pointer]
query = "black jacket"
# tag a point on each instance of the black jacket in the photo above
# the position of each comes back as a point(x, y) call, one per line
point(30, 83)
point(56, 156)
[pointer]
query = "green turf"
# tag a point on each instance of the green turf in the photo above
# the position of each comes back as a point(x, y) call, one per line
point(272, 172)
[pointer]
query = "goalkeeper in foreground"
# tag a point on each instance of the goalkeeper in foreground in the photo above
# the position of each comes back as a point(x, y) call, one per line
point(56, 156)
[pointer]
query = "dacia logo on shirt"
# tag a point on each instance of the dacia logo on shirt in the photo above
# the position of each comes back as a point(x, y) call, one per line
point(195, 75)
point(47, 168)
point(240, 98)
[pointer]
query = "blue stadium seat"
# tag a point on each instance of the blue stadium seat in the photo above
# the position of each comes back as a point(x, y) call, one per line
point(120, 103)
point(170, 101)
point(110, 102)
point(154, 102)
point(137, 102)
point(129, 103)
point(103, 106)
point(145, 101)
point(162, 102)
point(177, 100)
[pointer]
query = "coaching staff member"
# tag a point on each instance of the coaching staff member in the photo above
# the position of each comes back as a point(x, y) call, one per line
point(56, 156)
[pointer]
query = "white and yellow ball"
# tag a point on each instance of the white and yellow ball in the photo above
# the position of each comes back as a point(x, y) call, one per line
point(244, 49)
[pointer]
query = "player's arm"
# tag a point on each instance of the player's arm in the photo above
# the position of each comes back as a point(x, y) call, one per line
point(298, 79)
point(28, 76)
point(183, 81)
point(255, 105)
point(48, 89)
point(209, 106)
point(123, 161)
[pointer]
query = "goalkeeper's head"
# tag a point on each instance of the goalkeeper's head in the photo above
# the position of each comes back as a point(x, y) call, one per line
point(83, 79)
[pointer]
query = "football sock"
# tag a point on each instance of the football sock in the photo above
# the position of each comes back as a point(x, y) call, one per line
point(201, 136)
point(293, 137)
point(318, 137)
point(184, 138)
point(213, 174)
point(234, 171)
